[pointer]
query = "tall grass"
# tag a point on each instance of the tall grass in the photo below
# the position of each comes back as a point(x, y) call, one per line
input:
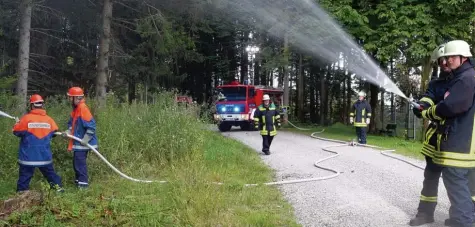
point(159, 141)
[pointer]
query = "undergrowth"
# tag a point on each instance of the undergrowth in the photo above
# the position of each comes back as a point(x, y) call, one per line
point(159, 141)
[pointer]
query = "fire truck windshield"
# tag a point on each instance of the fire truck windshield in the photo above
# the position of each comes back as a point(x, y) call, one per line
point(234, 93)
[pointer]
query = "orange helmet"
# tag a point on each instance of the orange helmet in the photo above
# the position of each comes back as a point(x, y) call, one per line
point(36, 98)
point(75, 91)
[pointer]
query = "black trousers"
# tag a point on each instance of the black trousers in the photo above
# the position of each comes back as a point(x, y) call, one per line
point(266, 142)
point(430, 187)
point(361, 133)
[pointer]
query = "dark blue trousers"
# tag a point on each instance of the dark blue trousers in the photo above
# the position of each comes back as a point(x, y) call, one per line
point(430, 187)
point(80, 168)
point(361, 133)
point(26, 173)
point(461, 205)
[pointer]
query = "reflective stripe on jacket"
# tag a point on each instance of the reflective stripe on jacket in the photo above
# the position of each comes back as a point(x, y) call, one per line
point(455, 145)
point(360, 110)
point(80, 123)
point(266, 119)
point(35, 130)
point(433, 95)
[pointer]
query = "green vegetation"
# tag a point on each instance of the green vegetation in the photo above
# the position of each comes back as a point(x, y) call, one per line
point(160, 141)
point(340, 131)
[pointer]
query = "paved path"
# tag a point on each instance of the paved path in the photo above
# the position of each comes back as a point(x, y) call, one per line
point(373, 190)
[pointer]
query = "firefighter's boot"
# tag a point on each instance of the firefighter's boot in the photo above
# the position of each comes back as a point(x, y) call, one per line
point(421, 218)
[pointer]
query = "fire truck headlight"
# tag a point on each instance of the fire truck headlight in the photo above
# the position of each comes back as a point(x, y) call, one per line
point(223, 109)
point(236, 109)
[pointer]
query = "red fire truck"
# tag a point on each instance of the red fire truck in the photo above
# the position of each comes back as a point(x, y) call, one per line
point(237, 102)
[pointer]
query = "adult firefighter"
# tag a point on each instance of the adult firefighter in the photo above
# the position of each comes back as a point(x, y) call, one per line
point(266, 119)
point(36, 129)
point(453, 149)
point(81, 124)
point(360, 114)
point(432, 96)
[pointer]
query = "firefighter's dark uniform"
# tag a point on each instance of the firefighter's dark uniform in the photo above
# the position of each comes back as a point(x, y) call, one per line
point(265, 120)
point(360, 110)
point(455, 148)
point(428, 199)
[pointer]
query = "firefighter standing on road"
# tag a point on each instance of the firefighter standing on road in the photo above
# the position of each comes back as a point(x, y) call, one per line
point(454, 144)
point(266, 118)
point(433, 95)
point(360, 115)
point(82, 125)
point(36, 130)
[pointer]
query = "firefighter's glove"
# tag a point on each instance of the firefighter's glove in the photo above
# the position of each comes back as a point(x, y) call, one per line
point(17, 119)
point(351, 120)
point(367, 121)
point(66, 133)
point(418, 111)
point(85, 139)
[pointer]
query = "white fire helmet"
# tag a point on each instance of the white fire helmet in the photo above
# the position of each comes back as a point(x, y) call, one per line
point(266, 97)
point(361, 94)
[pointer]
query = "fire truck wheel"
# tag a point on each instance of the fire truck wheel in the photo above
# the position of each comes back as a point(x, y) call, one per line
point(245, 126)
point(224, 127)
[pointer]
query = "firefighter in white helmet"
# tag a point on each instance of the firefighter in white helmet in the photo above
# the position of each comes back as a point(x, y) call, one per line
point(266, 120)
point(360, 115)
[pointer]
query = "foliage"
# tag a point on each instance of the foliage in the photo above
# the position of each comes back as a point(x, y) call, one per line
point(159, 141)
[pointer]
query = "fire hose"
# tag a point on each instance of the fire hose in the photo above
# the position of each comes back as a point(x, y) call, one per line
point(336, 173)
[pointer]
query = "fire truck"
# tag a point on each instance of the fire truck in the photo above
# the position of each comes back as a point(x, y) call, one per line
point(237, 102)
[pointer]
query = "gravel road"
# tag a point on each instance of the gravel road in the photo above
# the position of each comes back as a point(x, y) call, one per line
point(372, 190)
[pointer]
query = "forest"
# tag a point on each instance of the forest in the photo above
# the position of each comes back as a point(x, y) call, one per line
point(135, 48)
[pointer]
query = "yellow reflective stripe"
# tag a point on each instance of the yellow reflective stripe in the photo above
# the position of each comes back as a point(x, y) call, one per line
point(352, 114)
point(429, 134)
point(429, 199)
point(256, 120)
point(358, 124)
point(454, 156)
point(473, 198)
point(433, 113)
point(369, 114)
point(454, 163)
point(363, 114)
point(472, 144)
point(427, 100)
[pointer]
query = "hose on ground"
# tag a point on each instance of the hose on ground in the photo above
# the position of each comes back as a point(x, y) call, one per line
point(336, 173)
point(384, 151)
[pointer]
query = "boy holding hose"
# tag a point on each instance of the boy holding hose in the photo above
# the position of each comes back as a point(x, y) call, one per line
point(81, 124)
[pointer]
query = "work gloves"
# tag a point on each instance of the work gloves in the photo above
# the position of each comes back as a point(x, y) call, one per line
point(85, 139)
point(351, 120)
point(367, 121)
point(417, 111)
point(66, 133)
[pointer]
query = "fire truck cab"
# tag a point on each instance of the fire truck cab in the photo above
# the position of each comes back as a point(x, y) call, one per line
point(237, 103)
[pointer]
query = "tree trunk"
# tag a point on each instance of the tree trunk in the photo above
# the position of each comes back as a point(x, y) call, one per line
point(393, 109)
point(286, 76)
point(24, 52)
point(374, 104)
point(382, 109)
point(103, 61)
point(300, 90)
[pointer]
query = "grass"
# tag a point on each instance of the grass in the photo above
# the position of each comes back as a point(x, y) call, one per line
point(347, 133)
point(157, 142)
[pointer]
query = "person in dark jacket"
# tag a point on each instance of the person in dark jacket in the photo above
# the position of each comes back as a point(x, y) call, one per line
point(266, 119)
point(432, 96)
point(36, 129)
point(455, 148)
point(360, 114)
